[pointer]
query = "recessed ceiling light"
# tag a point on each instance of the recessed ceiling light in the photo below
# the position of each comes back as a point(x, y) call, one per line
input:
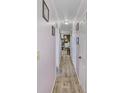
point(66, 23)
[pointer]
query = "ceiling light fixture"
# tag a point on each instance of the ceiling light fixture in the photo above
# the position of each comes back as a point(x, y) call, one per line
point(66, 21)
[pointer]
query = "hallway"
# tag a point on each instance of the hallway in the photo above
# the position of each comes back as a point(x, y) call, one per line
point(67, 81)
point(62, 46)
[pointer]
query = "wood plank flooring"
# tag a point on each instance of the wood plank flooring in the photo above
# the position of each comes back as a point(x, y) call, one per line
point(67, 81)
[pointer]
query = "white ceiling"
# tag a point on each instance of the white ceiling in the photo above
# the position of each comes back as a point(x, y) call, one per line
point(68, 9)
point(66, 27)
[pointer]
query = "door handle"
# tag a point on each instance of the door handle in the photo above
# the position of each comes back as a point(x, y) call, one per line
point(79, 57)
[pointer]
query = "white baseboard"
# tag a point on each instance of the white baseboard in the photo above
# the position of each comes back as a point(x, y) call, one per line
point(53, 85)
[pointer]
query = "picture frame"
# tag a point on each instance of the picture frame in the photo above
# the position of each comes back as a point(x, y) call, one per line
point(45, 11)
point(77, 27)
point(77, 40)
point(53, 31)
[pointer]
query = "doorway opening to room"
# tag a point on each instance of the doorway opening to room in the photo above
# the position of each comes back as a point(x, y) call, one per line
point(65, 44)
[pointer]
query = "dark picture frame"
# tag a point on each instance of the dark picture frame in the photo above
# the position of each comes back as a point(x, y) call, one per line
point(77, 40)
point(53, 31)
point(77, 27)
point(45, 11)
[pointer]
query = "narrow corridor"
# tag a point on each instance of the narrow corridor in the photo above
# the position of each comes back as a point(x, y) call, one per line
point(67, 81)
point(62, 46)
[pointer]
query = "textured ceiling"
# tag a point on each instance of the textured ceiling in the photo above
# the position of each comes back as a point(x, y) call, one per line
point(66, 27)
point(71, 10)
point(67, 9)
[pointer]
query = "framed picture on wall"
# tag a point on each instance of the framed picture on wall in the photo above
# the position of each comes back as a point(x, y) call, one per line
point(77, 27)
point(45, 11)
point(53, 31)
point(77, 40)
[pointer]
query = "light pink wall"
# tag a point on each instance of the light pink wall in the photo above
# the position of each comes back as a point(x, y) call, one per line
point(46, 49)
point(77, 58)
point(82, 65)
point(46, 63)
